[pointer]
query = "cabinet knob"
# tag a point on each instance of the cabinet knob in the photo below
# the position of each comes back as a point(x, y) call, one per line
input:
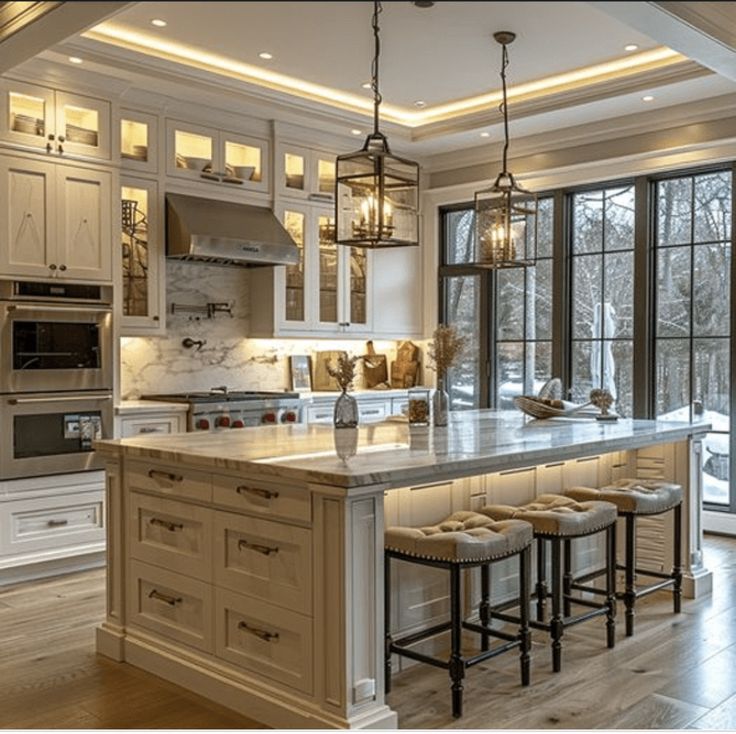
point(62, 267)
point(155, 318)
point(52, 266)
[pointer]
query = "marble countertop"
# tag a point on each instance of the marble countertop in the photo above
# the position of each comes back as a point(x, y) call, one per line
point(126, 407)
point(392, 453)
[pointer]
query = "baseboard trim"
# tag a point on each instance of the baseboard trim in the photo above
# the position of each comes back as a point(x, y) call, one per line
point(20, 569)
point(723, 523)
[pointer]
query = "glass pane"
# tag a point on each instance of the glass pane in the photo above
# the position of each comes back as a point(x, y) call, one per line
point(673, 291)
point(193, 152)
point(327, 270)
point(55, 345)
point(358, 280)
point(673, 379)
point(81, 125)
point(716, 469)
point(587, 222)
point(618, 374)
point(711, 379)
point(545, 227)
point(510, 304)
point(586, 296)
point(509, 373)
point(460, 240)
point(243, 161)
point(27, 114)
point(326, 176)
point(713, 207)
point(134, 140)
point(462, 310)
point(294, 224)
point(618, 306)
point(538, 359)
point(539, 300)
point(619, 223)
point(135, 251)
point(54, 434)
point(711, 290)
point(582, 380)
point(294, 171)
point(674, 211)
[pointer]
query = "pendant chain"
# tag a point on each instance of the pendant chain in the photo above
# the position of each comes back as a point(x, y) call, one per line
point(377, 98)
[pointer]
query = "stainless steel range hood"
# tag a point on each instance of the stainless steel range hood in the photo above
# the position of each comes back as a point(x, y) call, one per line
point(223, 233)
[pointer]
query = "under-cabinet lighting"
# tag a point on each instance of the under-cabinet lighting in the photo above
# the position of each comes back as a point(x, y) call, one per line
point(159, 23)
point(265, 55)
point(75, 60)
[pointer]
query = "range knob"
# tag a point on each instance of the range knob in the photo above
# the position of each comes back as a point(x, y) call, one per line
point(203, 424)
point(223, 421)
point(289, 417)
point(269, 418)
point(238, 424)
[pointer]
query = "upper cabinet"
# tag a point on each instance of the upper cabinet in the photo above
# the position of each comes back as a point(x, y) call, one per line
point(54, 122)
point(138, 141)
point(304, 173)
point(218, 157)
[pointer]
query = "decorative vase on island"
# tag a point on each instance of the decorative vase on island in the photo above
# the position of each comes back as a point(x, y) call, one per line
point(346, 411)
point(440, 404)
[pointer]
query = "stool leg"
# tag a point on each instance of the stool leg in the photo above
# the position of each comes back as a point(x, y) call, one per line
point(387, 622)
point(567, 579)
point(630, 561)
point(611, 585)
point(525, 637)
point(457, 664)
point(485, 603)
point(677, 557)
point(541, 588)
point(556, 623)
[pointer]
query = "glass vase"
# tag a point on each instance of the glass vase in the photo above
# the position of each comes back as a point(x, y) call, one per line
point(346, 411)
point(440, 404)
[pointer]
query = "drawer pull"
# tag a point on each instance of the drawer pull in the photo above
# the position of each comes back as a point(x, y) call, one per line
point(170, 600)
point(265, 549)
point(149, 429)
point(170, 526)
point(57, 523)
point(156, 474)
point(267, 494)
point(262, 634)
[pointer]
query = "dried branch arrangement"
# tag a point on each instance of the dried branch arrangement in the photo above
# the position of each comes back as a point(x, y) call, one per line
point(344, 373)
point(602, 399)
point(446, 348)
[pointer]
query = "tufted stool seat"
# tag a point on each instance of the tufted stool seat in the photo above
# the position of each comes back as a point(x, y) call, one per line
point(635, 497)
point(463, 540)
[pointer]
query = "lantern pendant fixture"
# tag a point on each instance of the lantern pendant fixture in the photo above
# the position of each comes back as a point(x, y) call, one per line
point(505, 213)
point(376, 193)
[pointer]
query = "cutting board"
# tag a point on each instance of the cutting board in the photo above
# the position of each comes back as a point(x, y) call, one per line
point(405, 370)
point(375, 368)
point(322, 379)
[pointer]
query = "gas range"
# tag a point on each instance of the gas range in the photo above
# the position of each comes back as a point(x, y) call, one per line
point(223, 409)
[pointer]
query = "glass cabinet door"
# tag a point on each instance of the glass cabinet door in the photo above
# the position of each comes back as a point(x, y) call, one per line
point(138, 133)
point(190, 151)
point(28, 113)
point(328, 270)
point(244, 161)
point(358, 287)
point(325, 186)
point(82, 125)
point(295, 307)
point(295, 171)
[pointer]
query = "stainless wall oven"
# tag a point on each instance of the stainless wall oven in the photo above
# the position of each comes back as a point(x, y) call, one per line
point(55, 337)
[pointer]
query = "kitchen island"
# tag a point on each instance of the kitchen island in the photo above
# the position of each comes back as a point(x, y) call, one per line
point(247, 565)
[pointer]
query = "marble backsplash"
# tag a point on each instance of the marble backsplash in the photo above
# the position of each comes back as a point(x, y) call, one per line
point(152, 365)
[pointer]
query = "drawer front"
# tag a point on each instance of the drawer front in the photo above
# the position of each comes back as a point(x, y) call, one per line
point(167, 480)
point(171, 534)
point(264, 639)
point(150, 426)
point(52, 522)
point(369, 412)
point(320, 413)
point(262, 498)
point(400, 406)
point(264, 559)
point(172, 605)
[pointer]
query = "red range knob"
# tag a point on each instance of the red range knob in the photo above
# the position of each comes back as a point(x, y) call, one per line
point(203, 424)
point(290, 417)
point(223, 421)
point(238, 424)
point(269, 418)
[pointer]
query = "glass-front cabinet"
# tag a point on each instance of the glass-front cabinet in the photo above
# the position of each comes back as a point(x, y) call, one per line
point(305, 173)
point(204, 153)
point(57, 122)
point(141, 257)
point(138, 141)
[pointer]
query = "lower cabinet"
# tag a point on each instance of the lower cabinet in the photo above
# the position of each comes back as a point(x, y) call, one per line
point(131, 422)
point(371, 407)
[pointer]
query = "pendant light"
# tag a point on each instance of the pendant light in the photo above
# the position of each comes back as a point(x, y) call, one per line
point(376, 193)
point(505, 213)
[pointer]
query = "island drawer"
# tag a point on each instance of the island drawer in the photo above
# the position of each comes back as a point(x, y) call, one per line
point(262, 498)
point(268, 560)
point(172, 605)
point(168, 480)
point(264, 639)
point(175, 535)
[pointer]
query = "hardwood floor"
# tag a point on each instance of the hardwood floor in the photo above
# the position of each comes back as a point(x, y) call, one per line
point(677, 672)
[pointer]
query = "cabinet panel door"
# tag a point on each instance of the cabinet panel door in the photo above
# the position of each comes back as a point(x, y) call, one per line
point(83, 206)
point(357, 290)
point(293, 282)
point(84, 125)
point(26, 113)
point(28, 228)
point(192, 151)
point(244, 161)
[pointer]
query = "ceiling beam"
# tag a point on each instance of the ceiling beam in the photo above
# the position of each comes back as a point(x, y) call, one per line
point(27, 28)
point(702, 31)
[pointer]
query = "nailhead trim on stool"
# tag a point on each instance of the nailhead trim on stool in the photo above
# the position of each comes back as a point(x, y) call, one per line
point(639, 496)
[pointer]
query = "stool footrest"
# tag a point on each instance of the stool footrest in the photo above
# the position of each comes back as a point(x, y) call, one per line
point(579, 618)
point(591, 575)
point(423, 634)
point(646, 590)
point(585, 602)
point(480, 629)
point(589, 589)
point(483, 656)
point(653, 574)
point(421, 657)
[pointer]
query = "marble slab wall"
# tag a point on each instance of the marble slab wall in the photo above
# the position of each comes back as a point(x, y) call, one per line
point(154, 365)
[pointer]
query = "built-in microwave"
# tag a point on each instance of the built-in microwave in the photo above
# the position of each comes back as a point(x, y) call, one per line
point(55, 337)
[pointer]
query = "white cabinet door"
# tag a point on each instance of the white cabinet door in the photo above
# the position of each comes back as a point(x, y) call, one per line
point(192, 151)
point(397, 293)
point(139, 148)
point(84, 234)
point(82, 126)
point(244, 162)
point(27, 114)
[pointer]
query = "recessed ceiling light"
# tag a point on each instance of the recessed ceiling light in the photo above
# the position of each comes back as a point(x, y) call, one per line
point(630, 47)
point(355, 131)
point(647, 98)
point(420, 103)
point(159, 23)
point(485, 135)
point(265, 55)
point(75, 60)
point(366, 85)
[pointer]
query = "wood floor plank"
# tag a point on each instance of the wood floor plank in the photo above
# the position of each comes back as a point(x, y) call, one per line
point(722, 717)
point(656, 712)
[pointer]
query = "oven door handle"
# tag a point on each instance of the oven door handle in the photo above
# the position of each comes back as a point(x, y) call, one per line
point(62, 309)
point(59, 399)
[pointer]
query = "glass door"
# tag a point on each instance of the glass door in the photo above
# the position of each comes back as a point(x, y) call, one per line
point(138, 136)
point(329, 258)
point(28, 114)
point(82, 125)
point(294, 281)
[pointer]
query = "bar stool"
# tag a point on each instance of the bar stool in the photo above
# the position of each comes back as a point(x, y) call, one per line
point(635, 498)
point(463, 540)
point(558, 520)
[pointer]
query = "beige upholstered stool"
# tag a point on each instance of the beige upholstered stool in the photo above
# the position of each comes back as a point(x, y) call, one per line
point(556, 520)
point(634, 498)
point(463, 540)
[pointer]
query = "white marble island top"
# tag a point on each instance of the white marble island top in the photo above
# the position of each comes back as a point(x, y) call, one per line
point(475, 442)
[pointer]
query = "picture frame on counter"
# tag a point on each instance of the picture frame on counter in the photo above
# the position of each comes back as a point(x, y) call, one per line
point(301, 372)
